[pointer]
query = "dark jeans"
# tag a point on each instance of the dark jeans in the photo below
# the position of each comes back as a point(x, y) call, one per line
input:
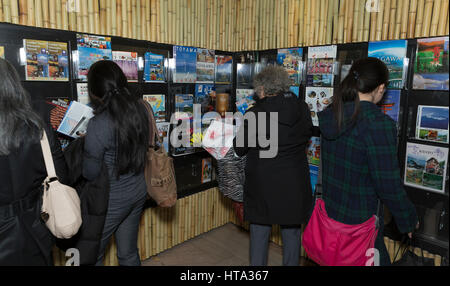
point(122, 220)
point(259, 244)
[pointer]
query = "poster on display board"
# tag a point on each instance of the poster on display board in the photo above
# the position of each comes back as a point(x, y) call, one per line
point(393, 54)
point(224, 69)
point(184, 106)
point(313, 151)
point(154, 68)
point(128, 62)
point(37, 60)
point(426, 167)
point(431, 69)
point(317, 99)
point(185, 64)
point(163, 131)
point(390, 104)
point(158, 104)
point(320, 71)
point(58, 61)
point(2, 52)
point(206, 170)
point(291, 60)
point(244, 99)
point(205, 65)
point(432, 123)
point(91, 49)
point(204, 94)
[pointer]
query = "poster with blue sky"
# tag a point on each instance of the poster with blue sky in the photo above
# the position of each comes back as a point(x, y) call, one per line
point(291, 60)
point(154, 68)
point(185, 64)
point(390, 104)
point(432, 123)
point(91, 49)
point(393, 54)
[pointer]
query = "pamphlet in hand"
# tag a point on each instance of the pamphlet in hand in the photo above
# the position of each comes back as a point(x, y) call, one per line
point(75, 121)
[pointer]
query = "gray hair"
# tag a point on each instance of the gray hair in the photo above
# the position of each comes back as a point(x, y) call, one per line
point(18, 121)
point(274, 79)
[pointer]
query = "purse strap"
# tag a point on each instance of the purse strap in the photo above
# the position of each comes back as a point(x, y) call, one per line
point(45, 146)
point(152, 125)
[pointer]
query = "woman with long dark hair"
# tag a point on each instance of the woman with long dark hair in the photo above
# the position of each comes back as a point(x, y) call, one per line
point(118, 135)
point(24, 238)
point(359, 154)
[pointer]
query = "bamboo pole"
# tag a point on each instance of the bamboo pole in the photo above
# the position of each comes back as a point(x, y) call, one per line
point(72, 19)
point(412, 18)
point(59, 24)
point(335, 21)
point(114, 20)
point(23, 12)
point(31, 13)
point(446, 25)
point(1, 11)
point(361, 19)
point(356, 27)
point(125, 19)
point(386, 15)
point(14, 11)
point(373, 25)
point(340, 38)
point(404, 25)
point(366, 25)
point(163, 16)
point(398, 19)
point(427, 18)
point(350, 20)
point(109, 18)
point(291, 23)
point(435, 18)
point(138, 20)
point(380, 18)
point(45, 14)
point(443, 16)
point(158, 37)
point(148, 8)
point(37, 10)
point(52, 14)
point(393, 19)
point(7, 11)
point(301, 22)
point(102, 14)
point(207, 24)
point(85, 16)
point(346, 20)
point(318, 17)
point(119, 17)
point(296, 22)
point(419, 18)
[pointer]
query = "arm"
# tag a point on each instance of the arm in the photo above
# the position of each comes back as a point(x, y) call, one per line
point(94, 150)
point(381, 141)
point(57, 154)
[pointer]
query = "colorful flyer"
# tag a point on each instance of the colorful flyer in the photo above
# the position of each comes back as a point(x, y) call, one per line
point(58, 109)
point(313, 151)
point(91, 49)
point(185, 64)
point(314, 174)
point(206, 170)
point(426, 167)
point(83, 93)
point(390, 104)
point(184, 106)
point(154, 68)
point(317, 99)
point(205, 65)
point(128, 62)
point(393, 54)
point(291, 60)
point(58, 61)
point(244, 99)
point(76, 119)
point(431, 66)
point(432, 123)
point(203, 95)
point(2, 52)
point(37, 60)
point(224, 68)
point(158, 103)
point(163, 131)
point(320, 71)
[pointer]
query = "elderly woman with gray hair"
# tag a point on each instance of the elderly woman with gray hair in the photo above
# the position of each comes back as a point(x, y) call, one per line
point(277, 189)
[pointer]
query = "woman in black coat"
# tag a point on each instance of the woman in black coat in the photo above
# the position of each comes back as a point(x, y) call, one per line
point(277, 189)
point(24, 238)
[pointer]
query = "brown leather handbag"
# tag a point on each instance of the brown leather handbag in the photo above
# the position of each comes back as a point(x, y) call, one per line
point(159, 170)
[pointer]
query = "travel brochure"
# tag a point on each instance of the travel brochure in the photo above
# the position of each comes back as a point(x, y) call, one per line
point(163, 131)
point(291, 60)
point(83, 93)
point(46, 61)
point(224, 69)
point(58, 108)
point(317, 99)
point(206, 170)
point(390, 104)
point(154, 68)
point(432, 123)
point(244, 99)
point(185, 64)
point(76, 119)
point(320, 70)
point(295, 90)
point(426, 167)
point(91, 49)
point(158, 103)
point(313, 174)
point(205, 65)
point(184, 106)
point(128, 62)
point(393, 54)
point(204, 95)
point(431, 65)
point(313, 151)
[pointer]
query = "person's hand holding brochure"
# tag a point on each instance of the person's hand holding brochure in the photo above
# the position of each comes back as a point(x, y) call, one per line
point(75, 121)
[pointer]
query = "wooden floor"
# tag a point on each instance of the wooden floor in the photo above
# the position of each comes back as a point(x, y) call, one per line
point(224, 246)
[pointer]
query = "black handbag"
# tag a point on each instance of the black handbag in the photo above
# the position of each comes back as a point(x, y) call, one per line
point(409, 258)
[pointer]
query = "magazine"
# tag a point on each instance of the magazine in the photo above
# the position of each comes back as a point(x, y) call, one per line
point(426, 167)
point(390, 104)
point(163, 131)
point(2, 52)
point(58, 61)
point(204, 94)
point(291, 60)
point(37, 60)
point(91, 49)
point(224, 68)
point(154, 68)
point(184, 106)
point(158, 103)
point(431, 67)
point(76, 119)
point(83, 93)
point(432, 123)
point(317, 99)
point(393, 54)
point(314, 174)
point(244, 99)
point(320, 71)
point(313, 151)
point(206, 170)
point(205, 65)
point(128, 62)
point(185, 64)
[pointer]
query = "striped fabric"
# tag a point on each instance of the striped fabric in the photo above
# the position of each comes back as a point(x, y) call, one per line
point(231, 176)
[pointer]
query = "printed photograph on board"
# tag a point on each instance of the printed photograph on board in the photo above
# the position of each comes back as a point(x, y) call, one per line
point(291, 60)
point(58, 61)
point(317, 99)
point(158, 103)
point(128, 62)
point(185, 64)
point(432, 123)
point(91, 49)
point(224, 68)
point(154, 68)
point(205, 65)
point(37, 60)
point(390, 104)
point(206, 170)
point(313, 151)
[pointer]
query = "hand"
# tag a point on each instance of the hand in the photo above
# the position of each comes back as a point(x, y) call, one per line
point(417, 227)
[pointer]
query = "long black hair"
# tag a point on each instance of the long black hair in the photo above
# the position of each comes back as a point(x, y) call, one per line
point(18, 121)
point(109, 92)
point(364, 76)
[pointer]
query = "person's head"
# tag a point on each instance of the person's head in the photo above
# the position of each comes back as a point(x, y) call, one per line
point(272, 81)
point(366, 80)
point(18, 121)
point(109, 92)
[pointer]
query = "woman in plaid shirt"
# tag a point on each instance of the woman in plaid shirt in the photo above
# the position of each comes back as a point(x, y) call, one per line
point(359, 154)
